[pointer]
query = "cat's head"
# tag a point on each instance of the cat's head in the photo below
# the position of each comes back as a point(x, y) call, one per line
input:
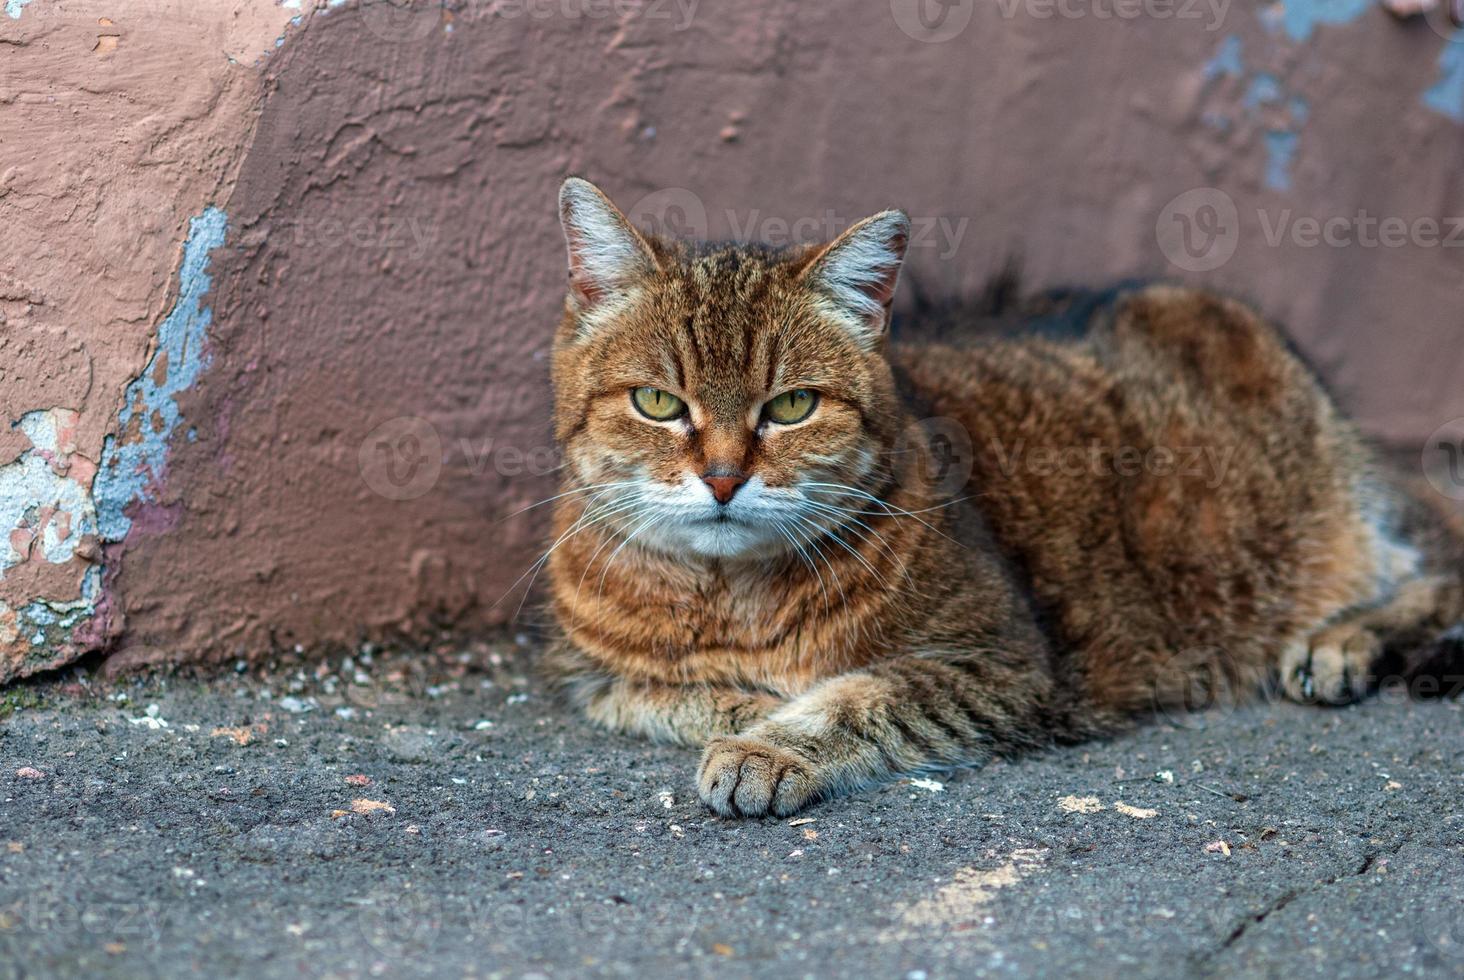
point(724, 400)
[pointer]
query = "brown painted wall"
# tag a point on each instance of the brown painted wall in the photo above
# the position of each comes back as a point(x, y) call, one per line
point(118, 121)
point(393, 257)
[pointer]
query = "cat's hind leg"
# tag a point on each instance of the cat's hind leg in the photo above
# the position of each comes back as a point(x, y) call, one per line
point(1337, 663)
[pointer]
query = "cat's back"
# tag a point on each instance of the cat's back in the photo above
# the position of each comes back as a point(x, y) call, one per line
point(1164, 469)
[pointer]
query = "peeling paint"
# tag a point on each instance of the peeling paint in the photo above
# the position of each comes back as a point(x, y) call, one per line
point(91, 230)
point(1280, 151)
point(46, 512)
point(1299, 18)
point(1264, 90)
point(1227, 59)
point(1446, 96)
point(134, 459)
point(47, 625)
point(45, 508)
point(1267, 106)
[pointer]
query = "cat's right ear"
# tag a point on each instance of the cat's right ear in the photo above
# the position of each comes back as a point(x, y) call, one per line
point(606, 254)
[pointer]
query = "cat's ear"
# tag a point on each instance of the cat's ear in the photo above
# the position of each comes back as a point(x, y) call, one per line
point(606, 253)
point(857, 272)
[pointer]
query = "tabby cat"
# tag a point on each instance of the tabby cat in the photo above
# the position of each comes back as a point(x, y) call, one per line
point(755, 550)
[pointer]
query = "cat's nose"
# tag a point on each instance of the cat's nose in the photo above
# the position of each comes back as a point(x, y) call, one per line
point(723, 486)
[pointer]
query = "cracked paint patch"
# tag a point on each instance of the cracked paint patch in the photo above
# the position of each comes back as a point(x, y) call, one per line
point(58, 507)
point(1446, 96)
point(1280, 151)
point(133, 460)
point(1227, 59)
point(14, 7)
point(1265, 95)
point(1300, 18)
point(1279, 115)
point(44, 503)
point(50, 526)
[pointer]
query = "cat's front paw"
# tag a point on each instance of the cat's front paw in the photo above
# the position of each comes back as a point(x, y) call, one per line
point(745, 776)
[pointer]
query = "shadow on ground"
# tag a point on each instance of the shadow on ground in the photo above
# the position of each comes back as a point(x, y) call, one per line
point(398, 816)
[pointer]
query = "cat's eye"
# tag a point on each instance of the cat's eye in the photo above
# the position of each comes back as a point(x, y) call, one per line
point(657, 405)
point(792, 406)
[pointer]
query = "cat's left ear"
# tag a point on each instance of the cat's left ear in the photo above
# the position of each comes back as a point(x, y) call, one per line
point(857, 272)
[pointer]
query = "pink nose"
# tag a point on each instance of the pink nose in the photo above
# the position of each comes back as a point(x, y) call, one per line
point(723, 487)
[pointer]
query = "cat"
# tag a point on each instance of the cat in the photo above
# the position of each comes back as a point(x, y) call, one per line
point(756, 552)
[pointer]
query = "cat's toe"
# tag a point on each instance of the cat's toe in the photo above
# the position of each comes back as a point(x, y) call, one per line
point(1333, 668)
point(742, 776)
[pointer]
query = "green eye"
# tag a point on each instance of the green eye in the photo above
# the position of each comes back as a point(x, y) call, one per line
point(792, 406)
point(653, 403)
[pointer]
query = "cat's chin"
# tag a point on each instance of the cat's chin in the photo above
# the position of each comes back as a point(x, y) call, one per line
point(720, 539)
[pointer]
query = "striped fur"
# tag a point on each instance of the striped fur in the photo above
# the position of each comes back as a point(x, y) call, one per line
point(849, 620)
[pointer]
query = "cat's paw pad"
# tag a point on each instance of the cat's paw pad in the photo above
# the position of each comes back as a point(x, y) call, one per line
point(743, 776)
point(1334, 667)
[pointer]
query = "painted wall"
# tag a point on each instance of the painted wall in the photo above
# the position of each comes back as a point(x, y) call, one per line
point(119, 122)
point(282, 330)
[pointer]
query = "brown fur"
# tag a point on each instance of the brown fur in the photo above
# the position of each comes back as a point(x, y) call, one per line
point(1065, 590)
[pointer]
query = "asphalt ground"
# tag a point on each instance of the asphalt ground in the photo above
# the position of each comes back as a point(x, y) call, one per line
point(437, 814)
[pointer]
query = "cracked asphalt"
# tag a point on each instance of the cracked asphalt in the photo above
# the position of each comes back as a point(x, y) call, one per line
point(437, 815)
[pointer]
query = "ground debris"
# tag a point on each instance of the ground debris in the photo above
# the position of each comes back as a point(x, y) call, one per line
point(365, 808)
point(241, 735)
point(1080, 804)
point(1138, 813)
point(151, 718)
